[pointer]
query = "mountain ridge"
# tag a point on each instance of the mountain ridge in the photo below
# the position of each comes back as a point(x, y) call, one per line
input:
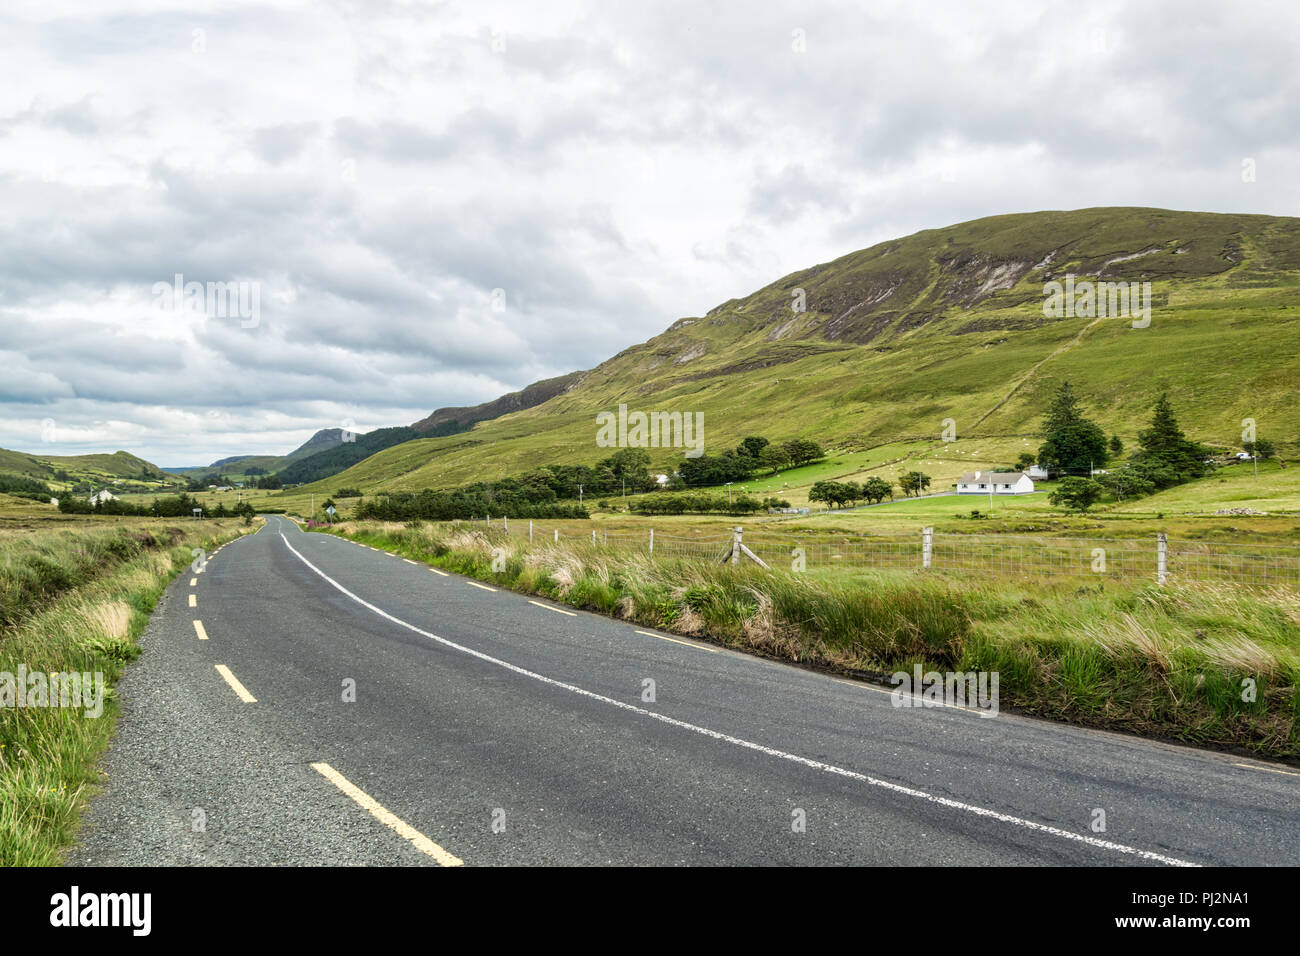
point(946, 323)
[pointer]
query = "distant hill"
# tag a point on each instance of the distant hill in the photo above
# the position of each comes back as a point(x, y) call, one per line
point(119, 464)
point(445, 421)
point(323, 440)
point(891, 341)
point(334, 460)
point(450, 421)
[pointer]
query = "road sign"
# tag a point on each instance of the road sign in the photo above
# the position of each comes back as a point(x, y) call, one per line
point(329, 510)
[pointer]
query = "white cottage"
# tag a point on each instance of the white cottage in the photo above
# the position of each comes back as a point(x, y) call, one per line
point(1000, 482)
point(104, 495)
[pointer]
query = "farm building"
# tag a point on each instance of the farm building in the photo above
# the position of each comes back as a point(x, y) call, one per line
point(1001, 482)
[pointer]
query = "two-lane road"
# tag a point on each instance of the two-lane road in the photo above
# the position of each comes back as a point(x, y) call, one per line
point(308, 700)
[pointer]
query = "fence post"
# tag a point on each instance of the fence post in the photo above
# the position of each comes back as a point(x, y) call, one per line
point(593, 535)
point(530, 531)
point(735, 545)
point(927, 546)
point(1162, 557)
point(505, 523)
point(557, 535)
point(652, 540)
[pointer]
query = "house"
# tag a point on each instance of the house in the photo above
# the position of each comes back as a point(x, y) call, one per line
point(104, 495)
point(661, 481)
point(1037, 471)
point(999, 482)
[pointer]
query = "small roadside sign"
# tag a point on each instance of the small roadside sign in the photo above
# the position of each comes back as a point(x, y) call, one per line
point(329, 510)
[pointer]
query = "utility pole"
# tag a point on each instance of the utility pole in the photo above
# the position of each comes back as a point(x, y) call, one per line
point(579, 496)
point(728, 493)
point(1255, 459)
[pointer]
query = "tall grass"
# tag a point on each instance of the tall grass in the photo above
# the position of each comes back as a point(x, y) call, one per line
point(1175, 662)
point(73, 602)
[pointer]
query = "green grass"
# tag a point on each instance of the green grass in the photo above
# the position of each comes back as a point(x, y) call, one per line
point(1161, 661)
point(81, 612)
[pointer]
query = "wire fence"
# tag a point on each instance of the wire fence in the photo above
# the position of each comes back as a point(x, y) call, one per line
point(1156, 559)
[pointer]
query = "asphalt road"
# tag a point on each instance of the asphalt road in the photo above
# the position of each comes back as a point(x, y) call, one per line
point(490, 728)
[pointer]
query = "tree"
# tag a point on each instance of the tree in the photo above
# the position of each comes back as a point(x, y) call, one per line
point(1074, 445)
point(752, 446)
point(1163, 443)
point(852, 492)
point(1025, 461)
point(1116, 446)
point(913, 483)
point(803, 450)
point(775, 457)
point(1077, 494)
point(1127, 483)
point(1261, 448)
point(630, 465)
point(824, 491)
point(876, 489)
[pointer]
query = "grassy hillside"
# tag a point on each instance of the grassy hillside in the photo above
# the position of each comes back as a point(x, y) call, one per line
point(947, 323)
point(104, 467)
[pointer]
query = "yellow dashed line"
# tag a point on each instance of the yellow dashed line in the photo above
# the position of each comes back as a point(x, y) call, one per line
point(387, 818)
point(240, 690)
point(194, 600)
point(698, 647)
point(555, 609)
point(198, 629)
point(1255, 766)
point(193, 581)
point(483, 586)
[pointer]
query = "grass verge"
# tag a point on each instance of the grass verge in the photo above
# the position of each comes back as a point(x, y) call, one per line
point(74, 602)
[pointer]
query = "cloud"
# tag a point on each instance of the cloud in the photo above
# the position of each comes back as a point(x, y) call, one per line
point(441, 203)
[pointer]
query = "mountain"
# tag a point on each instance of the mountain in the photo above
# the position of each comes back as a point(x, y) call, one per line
point(947, 323)
point(449, 421)
point(323, 464)
point(323, 440)
point(444, 421)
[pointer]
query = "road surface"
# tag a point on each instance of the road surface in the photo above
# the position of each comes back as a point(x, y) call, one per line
point(308, 700)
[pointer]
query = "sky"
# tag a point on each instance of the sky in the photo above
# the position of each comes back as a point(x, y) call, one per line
point(382, 208)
